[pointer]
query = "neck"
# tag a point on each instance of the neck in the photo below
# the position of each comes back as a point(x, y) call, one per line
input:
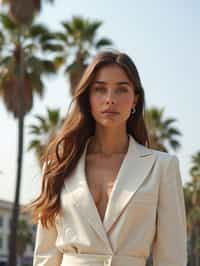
point(109, 144)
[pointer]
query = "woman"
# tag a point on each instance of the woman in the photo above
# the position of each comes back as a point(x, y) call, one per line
point(107, 198)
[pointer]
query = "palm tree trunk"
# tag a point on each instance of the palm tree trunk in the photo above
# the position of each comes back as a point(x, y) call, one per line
point(192, 258)
point(196, 239)
point(15, 210)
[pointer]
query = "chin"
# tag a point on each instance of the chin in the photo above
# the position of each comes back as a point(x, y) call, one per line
point(110, 123)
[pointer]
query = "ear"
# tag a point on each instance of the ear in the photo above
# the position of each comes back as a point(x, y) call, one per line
point(136, 98)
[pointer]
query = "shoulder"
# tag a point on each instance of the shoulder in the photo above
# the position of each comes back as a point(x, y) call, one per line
point(167, 165)
point(163, 159)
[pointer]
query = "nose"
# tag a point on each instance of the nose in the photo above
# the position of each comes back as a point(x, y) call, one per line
point(110, 99)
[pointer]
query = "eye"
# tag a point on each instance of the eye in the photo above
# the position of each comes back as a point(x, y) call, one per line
point(99, 89)
point(122, 89)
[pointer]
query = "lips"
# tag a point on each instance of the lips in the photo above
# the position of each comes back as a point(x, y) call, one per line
point(109, 112)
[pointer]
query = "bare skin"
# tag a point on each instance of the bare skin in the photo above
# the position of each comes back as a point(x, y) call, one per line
point(111, 89)
point(101, 172)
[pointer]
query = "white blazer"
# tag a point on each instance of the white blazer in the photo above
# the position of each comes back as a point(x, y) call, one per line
point(146, 211)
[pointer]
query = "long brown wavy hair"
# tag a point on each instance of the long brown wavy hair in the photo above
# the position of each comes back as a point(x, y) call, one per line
point(63, 152)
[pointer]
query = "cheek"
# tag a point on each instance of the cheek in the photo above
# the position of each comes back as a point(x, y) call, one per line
point(95, 102)
point(126, 102)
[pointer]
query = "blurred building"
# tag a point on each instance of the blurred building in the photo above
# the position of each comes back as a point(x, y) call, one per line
point(5, 218)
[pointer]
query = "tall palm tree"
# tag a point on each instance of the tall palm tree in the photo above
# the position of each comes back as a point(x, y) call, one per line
point(45, 129)
point(161, 131)
point(21, 70)
point(191, 217)
point(79, 40)
point(35, 40)
point(194, 210)
point(192, 203)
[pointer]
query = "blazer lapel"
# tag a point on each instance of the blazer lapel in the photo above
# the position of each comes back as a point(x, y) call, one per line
point(82, 198)
point(132, 173)
point(136, 165)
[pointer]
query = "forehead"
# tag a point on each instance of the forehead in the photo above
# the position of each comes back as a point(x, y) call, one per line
point(111, 74)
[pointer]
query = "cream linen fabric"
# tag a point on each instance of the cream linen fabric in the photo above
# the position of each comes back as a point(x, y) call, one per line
point(146, 210)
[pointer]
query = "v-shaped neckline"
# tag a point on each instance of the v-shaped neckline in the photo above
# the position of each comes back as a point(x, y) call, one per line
point(114, 183)
point(134, 169)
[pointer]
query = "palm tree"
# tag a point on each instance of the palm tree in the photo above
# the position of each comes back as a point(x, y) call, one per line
point(161, 132)
point(193, 208)
point(188, 192)
point(44, 131)
point(79, 40)
point(192, 203)
point(21, 70)
point(195, 169)
point(23, 10)
point(33, 41)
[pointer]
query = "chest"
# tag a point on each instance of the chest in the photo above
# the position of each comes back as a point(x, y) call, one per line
point(101, 174)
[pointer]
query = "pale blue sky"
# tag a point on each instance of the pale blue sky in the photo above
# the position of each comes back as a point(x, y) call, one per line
point(164, 41)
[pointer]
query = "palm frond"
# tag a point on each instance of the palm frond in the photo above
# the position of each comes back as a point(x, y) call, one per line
point(52, 47)
point(78, 23)
point(91, 29)
point(60, 36)
point(169, 121)
point(5, 61)
point(33, 144)
point(172, 131)
point(53, 116)
point(72, 67)
point(2, 39)
point(37, 82)
point(41, 119)
point(48, 67)
point(38, 30)
point(103, 42)
point(174, 144)
point(59, 61)
point(33, 129)
point(46, 37)
point(7, 23)
point(67, 27)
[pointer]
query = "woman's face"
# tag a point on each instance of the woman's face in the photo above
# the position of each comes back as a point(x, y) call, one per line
point(112, 91)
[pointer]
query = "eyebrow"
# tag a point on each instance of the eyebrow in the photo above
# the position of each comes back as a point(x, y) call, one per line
point(118, 83)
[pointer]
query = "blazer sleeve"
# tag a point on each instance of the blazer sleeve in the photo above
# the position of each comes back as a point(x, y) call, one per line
point(46, 252)
point(170, 244)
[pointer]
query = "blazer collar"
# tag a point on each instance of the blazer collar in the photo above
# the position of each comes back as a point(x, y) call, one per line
point(135, 167)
